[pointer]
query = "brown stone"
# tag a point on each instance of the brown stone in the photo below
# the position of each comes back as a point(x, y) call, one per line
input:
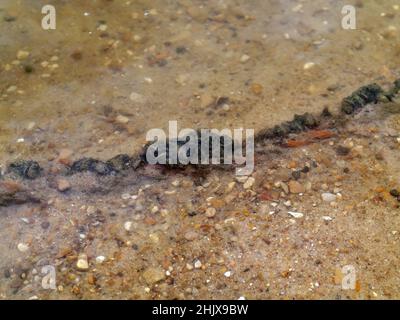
point(296, 187)
point(64, 156)
point(63, 185)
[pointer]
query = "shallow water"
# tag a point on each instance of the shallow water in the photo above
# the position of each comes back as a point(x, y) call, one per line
point(112, 70)
point(178, 57)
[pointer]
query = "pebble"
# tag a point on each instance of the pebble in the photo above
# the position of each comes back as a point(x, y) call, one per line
point(153, 275)
point(328, 197)
point(82, 263)
point(284, 187)
point(148, 80)
point(227, 274)
point(226, 107)
point(327, 218)
point(230, 186)
point(308, 65)
point(22, 247)
point(102, 27)
point(31, 125)
point(64, 156)
point(197, 264)
point(296, 215)
point(256, 88)
point(100, 259)
point(211, 212)
point(12, 88)
point(155, 209)
point(176, 183)
point(128, 226)
point(125, 196)
point(22, 55)
point(63, 185)
point(244, 58)
point(122, 119)
point(296, 187)
point(249, 183)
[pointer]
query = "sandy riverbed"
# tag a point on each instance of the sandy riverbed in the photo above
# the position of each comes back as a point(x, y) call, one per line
point(96, 84)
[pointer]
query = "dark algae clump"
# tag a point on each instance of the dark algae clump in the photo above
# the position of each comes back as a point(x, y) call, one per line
point(204, 143)
point(361, 97)
point(298, 124)
point(120, 162)
point(25, 169)
point(117, 164)
point(368, 94)
point(91, 165)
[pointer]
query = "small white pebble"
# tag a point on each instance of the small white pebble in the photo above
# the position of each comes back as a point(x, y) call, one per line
point(128, 225)
point(100, 259)
point(308, 65)
point(197, 264)
point(155, 209)
point(82, 262)
point(210, 212)
point(296, 215)
point(22, 247)
point(244, 58)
